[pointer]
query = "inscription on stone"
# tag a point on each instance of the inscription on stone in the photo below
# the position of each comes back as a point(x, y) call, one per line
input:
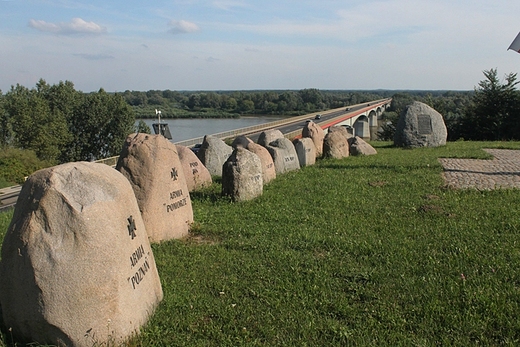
point(180, 203)
point(194, 166)
point(289, 159)
point(424, 124)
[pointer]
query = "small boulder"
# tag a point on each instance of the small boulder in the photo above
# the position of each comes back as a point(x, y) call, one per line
point(196, 174)
point(152, 165)
point(241, 141)
point(358, 146)
point(306, 151)
point(213, 153)
point(316, 133)
point(268, 136)
point(420, 126)
point(77, 268)
point(284, 155)
point(335, 145)
point(268, 170)
point(242, 175)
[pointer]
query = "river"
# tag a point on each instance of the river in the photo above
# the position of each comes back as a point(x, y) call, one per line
point(190, 128)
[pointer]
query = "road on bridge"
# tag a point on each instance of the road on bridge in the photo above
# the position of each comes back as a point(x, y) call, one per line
point(300, 124)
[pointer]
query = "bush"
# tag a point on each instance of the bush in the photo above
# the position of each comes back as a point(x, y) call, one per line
point(16, 164)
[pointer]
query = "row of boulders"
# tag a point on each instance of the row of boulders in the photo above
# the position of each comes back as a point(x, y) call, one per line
point(246, 166)
point(77, 266)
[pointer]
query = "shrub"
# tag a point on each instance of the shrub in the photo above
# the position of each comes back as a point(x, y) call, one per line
point(16, 164)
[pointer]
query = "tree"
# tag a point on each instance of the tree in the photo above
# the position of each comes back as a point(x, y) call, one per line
point(34, 124)
point(5, 127)
point(142, 127)
point(100, 126)
point(494, 113)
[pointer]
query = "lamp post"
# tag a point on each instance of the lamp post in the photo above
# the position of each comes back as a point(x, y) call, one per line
point(158, 113)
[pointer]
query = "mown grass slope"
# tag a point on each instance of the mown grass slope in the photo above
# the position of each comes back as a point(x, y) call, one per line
point(363, 251)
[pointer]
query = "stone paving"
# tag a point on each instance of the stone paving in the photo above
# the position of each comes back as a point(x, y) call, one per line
point(501, 172)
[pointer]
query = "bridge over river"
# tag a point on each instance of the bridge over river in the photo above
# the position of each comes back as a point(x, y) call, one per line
point(361, 119)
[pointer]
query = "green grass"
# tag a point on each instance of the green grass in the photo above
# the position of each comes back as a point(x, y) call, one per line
point(363, 251)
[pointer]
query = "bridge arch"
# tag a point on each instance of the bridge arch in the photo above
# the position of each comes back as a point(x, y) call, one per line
point(362, 127)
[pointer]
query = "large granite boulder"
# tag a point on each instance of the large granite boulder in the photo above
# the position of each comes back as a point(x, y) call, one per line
point(196, 174)
point(152, 165)
point(77, 268)
point(284, 155)
point(213, 153)
point(335, 145)
point(306, 151)
point(358, 146)
point(420, 126)
point(242, 175)
point(268, 169)
point(316, 133)
point(268, 136)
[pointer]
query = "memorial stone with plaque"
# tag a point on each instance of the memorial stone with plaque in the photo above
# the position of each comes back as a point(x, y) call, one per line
point(420, 126)
point(77, 268)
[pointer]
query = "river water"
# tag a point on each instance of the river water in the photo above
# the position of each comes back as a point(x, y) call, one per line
point(190, 128)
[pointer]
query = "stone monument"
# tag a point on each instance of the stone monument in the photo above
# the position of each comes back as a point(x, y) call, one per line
point(242, 175)
point(213, 153)
point(306, 151)
point(358, 146)
point(284, 155)
point(268, 136)
point(335, 145)
point(420, 126)
point(196, 174)
point(268, 170)
point(316, 133)
point(77, 268)
point(152, 165)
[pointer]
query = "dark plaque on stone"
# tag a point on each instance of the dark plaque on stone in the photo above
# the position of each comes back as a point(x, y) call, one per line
point(424, 123)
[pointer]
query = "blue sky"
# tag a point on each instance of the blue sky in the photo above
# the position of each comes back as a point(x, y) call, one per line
point(247, 44)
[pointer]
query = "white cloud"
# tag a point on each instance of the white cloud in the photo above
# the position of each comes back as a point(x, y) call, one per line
point(182, 27)
point(75, 26)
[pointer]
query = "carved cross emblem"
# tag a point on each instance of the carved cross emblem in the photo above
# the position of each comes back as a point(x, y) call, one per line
point(174, 174)
point(131, 227)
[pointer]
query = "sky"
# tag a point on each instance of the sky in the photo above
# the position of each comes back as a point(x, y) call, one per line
point(256, 44)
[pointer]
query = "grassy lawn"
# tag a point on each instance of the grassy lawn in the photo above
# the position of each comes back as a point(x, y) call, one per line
point(363, 251)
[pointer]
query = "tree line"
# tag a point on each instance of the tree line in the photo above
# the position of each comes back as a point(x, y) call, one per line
point(175, 104)
point(52, 124)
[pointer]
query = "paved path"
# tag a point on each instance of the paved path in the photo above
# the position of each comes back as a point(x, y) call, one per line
point(501, 172)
